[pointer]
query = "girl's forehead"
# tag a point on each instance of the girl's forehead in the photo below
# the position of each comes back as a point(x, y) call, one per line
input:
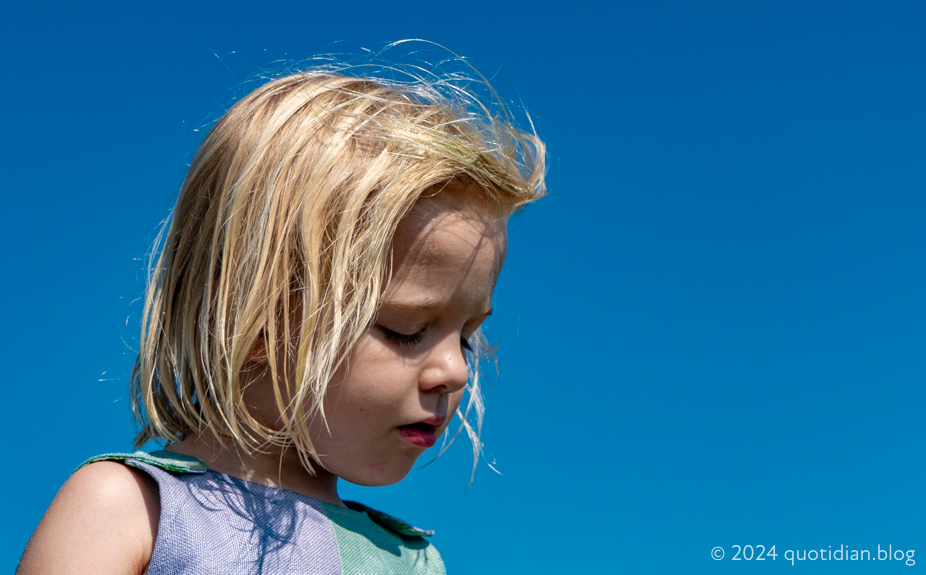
point(444, 248)
point(436, 232)
point(451, 259)
point(454, 199)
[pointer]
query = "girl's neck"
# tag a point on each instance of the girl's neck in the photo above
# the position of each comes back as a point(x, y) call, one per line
point(280, 469)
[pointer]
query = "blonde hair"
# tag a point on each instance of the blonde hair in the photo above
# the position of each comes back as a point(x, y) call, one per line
point(281, 236)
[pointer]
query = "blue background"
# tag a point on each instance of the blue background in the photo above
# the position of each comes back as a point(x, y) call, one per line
point(712, 331)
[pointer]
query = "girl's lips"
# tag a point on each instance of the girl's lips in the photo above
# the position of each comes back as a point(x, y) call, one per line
point(420, 434)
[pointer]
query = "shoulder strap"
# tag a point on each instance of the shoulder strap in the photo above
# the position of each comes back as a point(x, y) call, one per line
point(390, 522)
point(169, 461)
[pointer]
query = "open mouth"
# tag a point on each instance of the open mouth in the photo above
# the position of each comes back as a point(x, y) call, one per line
point(419, 434)
point(419, 426)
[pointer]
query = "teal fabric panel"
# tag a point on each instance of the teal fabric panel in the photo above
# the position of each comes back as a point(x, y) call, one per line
point(367, 547)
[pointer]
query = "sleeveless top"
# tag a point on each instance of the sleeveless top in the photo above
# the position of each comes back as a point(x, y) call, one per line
point(214, 523)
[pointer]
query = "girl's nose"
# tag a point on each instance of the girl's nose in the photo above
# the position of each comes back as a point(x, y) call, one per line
point(446, 367)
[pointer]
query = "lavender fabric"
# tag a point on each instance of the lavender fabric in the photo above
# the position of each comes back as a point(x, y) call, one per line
point(214, 523)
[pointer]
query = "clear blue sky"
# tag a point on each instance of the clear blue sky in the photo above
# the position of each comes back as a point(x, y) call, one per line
point(712, 332)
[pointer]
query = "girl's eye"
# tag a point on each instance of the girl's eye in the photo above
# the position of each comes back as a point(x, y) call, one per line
point(402, 339)
point(408, 340)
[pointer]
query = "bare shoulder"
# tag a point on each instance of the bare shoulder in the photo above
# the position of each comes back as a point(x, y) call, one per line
point(103, 520)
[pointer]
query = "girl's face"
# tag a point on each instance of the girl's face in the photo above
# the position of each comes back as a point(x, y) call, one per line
point(405, 376)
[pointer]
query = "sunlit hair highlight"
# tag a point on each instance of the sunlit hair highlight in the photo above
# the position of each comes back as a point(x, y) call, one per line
point(282, 234)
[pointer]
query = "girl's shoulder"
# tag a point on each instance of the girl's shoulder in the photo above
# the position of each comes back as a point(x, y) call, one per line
point(104, 519)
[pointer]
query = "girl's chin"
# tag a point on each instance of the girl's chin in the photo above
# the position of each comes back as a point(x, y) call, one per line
point(380, 474)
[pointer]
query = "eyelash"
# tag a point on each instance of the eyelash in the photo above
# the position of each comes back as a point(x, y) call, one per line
point(409, 340)
point(401, 339)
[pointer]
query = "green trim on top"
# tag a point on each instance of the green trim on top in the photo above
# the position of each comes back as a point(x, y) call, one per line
point(389, 521)
point(167, 460)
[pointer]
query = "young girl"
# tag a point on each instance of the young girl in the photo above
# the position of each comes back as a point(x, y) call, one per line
point(313, 316)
